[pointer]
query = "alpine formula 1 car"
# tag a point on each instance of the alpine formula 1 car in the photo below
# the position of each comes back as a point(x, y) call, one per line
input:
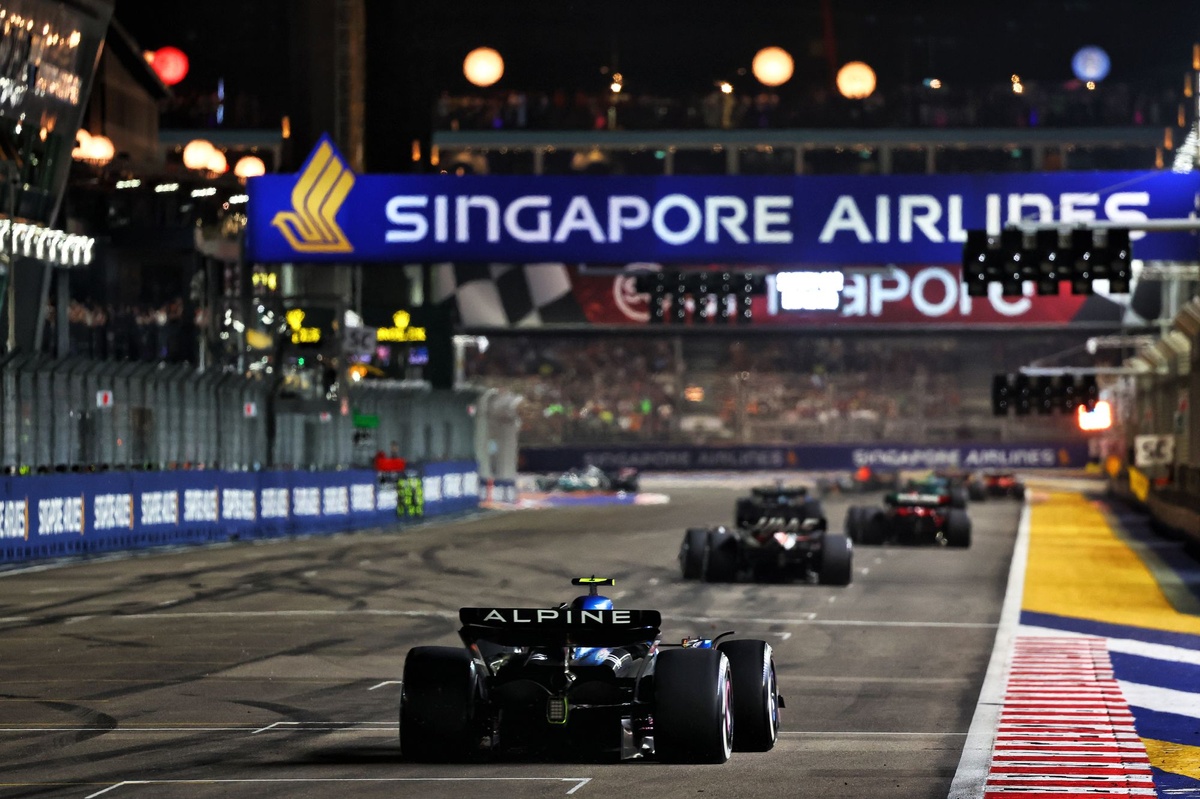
point(996, 484)
point(585, 678)
point(919, 513)
point(590, 478)
point(780, 534)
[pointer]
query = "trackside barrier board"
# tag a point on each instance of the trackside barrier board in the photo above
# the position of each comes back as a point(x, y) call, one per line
point(813, 457)
point(55, 515)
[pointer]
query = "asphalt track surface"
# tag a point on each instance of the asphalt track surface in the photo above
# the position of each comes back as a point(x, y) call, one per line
point(270, 670)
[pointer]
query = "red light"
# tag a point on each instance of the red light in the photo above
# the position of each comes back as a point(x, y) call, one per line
point(170, 64)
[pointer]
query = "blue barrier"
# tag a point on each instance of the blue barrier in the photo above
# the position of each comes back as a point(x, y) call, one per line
point(69, 514)
point(814, 457)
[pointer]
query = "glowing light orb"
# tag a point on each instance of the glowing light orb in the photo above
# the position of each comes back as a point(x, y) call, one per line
point(483, 66)
point(773, 66)
point(856, 80)
point(171, 65)
point(1090, 64)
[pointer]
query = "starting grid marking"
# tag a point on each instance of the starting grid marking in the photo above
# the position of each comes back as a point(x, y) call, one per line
point(1065, 729)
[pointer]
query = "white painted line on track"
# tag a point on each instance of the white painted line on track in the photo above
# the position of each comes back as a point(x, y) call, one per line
point(324, 725)
point(810, 618)
point(260, 614)
point(973, 766)
point(869, 733)
point(1174, 654)
point(1161, 700)
point(579, 782)
point(386, 682)
point(123, 729)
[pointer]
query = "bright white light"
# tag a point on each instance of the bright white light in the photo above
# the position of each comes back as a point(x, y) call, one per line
point(210, 191)
point(239, 199)
point(726, 88)
point(810, 291)
point(1099, 419)
point(163, 188)
point(128, 184)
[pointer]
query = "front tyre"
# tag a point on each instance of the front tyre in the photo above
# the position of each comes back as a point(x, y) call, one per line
point(693, 712)
point(755, 694)
point(437, 704)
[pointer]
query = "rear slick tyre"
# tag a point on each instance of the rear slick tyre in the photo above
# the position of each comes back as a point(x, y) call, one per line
point(755, 694)
point(837, 558)
point(720, 558)
point(437, 704)
point(693, 706)
point(692, 553)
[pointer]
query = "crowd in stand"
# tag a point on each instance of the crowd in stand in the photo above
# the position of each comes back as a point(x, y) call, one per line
point(756, 390)
point(126, 332)
point(1069, 104)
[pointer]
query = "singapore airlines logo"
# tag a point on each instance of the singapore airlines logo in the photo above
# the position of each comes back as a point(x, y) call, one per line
point(311, 225)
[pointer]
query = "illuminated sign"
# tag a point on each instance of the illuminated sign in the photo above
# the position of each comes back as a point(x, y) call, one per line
point(266, 280)
point(731, 219)
point(400, 331)
point(810, 291)
point(300, 333)
point(310, 225)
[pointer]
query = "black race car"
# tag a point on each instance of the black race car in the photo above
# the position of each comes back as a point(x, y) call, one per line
point(780, 534)
point(778, 501)
point(996, 484)
point(919, 513)
point(590, 478)
point(586, 678)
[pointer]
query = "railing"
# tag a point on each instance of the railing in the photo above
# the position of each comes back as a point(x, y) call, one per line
point(79, 415)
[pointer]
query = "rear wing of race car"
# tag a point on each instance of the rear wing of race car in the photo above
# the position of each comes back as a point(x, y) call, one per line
point(778, 492)
point(557, 627)
point(921, 498)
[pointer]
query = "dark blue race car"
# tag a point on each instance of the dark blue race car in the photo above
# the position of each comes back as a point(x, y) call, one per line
point(586, 679)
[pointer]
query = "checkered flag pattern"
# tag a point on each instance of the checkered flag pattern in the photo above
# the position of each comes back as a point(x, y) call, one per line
point(507, 295)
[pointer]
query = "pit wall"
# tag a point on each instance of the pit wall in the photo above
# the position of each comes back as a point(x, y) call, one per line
point(48, 516)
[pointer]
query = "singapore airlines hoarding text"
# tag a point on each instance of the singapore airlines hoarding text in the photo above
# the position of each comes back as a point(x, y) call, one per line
point(814, 220)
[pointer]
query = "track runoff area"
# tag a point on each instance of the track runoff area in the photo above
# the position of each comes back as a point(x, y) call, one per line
point(271, 669)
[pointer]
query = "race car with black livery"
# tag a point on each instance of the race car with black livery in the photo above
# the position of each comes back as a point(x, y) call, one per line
point(586, 679)
point(996, 484)
point(591, 478)
point(919, 513)
point(780, 533)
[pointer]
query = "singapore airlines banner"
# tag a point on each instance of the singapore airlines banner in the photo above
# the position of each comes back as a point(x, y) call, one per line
point(326, 213)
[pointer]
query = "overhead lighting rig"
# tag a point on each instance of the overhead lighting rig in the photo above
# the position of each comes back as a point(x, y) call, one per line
point(1044, 394)
point(721, 297)
point(1047, 258)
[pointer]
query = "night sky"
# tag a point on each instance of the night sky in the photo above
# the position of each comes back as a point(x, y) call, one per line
point(671, 47)
point(683, 45)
